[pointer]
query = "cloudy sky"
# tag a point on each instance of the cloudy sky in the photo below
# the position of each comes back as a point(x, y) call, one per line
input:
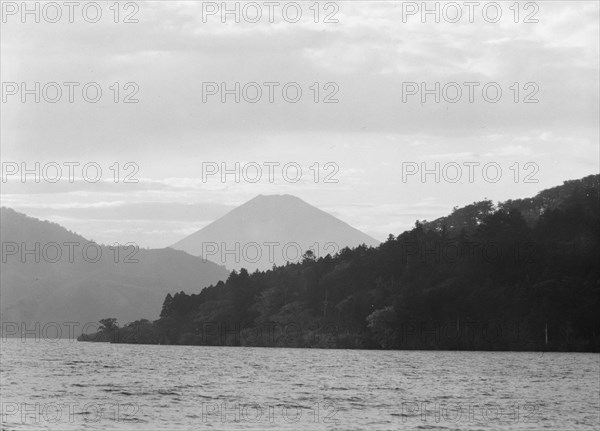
point(375, 133)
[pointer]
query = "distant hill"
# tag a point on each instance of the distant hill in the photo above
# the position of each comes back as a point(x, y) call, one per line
point(80, 290)
point(291, 224)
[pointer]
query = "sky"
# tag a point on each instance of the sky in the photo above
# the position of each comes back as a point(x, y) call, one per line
point(376, 63)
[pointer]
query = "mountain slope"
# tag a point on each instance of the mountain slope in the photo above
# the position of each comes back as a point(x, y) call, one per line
point(78, 287)
point(271, 230)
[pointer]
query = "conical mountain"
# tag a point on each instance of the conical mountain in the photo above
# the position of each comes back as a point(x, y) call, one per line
point(271, 229)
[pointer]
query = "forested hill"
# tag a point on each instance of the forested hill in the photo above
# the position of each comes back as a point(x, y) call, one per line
point(469, 216)
point(487, 278)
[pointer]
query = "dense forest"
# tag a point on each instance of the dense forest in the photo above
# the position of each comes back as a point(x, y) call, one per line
point(518, 275)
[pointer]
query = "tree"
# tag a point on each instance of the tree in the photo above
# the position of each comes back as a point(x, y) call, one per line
point(382, 325)
point(166, 307)
point(308, 257)
point(108, 324)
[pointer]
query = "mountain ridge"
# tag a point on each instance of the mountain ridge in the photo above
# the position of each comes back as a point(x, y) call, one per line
point(124, 282)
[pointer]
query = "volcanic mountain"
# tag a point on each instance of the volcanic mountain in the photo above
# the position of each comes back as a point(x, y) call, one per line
point(50, 274)
point(272, 229)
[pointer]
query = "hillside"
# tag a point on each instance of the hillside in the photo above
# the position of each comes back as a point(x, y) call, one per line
point(125, 284)
point(469, 216)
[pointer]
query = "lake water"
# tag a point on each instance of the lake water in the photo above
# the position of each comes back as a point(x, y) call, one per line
point(74, 385)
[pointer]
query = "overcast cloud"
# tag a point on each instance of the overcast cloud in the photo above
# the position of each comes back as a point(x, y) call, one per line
point(367, 135)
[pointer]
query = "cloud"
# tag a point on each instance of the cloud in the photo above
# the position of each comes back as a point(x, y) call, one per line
point(369, 133)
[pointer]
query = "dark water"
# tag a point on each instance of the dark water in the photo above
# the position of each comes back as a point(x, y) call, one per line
point(73, 385)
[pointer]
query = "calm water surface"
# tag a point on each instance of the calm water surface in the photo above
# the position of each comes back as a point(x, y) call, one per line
point(73, 385)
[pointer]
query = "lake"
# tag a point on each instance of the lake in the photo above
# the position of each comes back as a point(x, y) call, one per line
point(66, 384)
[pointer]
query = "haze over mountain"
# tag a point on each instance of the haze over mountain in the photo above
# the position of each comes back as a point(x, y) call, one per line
point(77, 288)
point(271, 229)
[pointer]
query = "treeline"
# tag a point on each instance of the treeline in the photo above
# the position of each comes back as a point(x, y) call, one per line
point(484, 278)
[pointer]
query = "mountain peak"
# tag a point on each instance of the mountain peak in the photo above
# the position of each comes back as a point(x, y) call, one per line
point(275, 198)
point(277, 228)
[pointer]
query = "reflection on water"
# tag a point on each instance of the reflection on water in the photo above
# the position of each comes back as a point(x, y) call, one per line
point(73, 385)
